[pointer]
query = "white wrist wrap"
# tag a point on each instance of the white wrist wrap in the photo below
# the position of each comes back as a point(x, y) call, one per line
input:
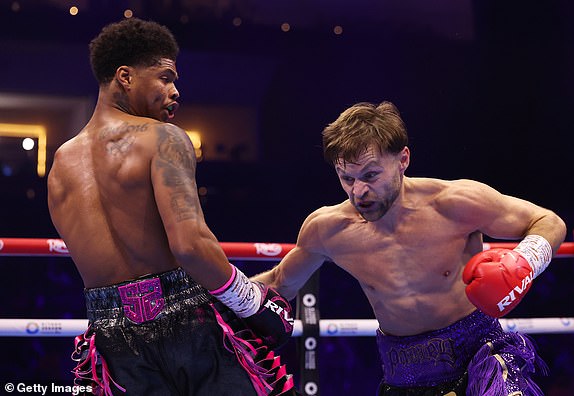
point(242, 296)
point(537, 251)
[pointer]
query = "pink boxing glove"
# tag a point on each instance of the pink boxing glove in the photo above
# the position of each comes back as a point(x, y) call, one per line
point(274, 321)
point(497, 280)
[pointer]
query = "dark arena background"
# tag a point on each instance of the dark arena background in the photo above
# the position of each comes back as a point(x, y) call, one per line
point(486, 89)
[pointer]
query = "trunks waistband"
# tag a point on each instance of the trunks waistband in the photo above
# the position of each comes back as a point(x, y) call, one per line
point(434, 357)
point(145, 298)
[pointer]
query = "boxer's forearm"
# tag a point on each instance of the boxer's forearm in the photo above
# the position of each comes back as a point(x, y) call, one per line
point(273, 279)
point(268, 278)
point(552, 228)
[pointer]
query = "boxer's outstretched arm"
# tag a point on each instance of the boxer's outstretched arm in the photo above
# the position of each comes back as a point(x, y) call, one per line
point(299, 264)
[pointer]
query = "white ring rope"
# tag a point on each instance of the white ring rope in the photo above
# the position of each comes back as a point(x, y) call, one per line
point(328, 327)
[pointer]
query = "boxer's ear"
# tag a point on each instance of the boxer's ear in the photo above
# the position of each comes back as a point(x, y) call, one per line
point(124, 76)
point(404, 159)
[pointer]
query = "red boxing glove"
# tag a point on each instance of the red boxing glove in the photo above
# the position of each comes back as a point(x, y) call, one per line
point(497, 279)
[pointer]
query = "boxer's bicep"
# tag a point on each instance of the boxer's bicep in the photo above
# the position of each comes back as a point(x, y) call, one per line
point(301, 262)
point(294, 270)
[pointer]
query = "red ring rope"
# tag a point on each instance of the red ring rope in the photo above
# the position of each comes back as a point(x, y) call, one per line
point(233, 250)
point(57, 247)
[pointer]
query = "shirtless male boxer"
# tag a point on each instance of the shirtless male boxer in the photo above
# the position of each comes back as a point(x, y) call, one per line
point(415, 246)
point(123, 196)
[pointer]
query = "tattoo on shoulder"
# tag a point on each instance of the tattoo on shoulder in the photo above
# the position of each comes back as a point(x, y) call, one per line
point(177, 163)
point(120, 139)
point(120, 146)
point(175, 149)
point(123, 128)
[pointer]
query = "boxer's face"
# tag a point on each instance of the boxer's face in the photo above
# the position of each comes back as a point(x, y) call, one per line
point(153, 92)
point(374, 181)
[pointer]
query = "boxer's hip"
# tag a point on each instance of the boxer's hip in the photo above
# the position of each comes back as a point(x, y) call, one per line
point(434, 357)
point(145, 299)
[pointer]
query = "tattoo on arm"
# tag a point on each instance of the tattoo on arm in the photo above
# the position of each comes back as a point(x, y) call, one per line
point(177, 164)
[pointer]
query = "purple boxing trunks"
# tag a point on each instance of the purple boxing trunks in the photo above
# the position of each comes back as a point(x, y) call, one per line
point(473, 353)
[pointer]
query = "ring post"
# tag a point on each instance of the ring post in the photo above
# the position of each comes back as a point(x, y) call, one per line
point(307, 345)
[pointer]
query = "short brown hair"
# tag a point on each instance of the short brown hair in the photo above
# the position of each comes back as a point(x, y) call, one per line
point(360, 126)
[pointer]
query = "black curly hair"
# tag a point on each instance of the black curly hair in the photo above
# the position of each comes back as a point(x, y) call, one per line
point(130, 42)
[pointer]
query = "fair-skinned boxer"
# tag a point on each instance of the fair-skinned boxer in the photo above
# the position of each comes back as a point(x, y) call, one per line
point(160, 292)
point(415, 247)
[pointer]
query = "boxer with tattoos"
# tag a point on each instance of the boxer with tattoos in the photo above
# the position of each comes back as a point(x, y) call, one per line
point(160, 293)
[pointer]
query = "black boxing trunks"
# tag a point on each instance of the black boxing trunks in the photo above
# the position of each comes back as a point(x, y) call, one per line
point(157, 335)
point(473, 356)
